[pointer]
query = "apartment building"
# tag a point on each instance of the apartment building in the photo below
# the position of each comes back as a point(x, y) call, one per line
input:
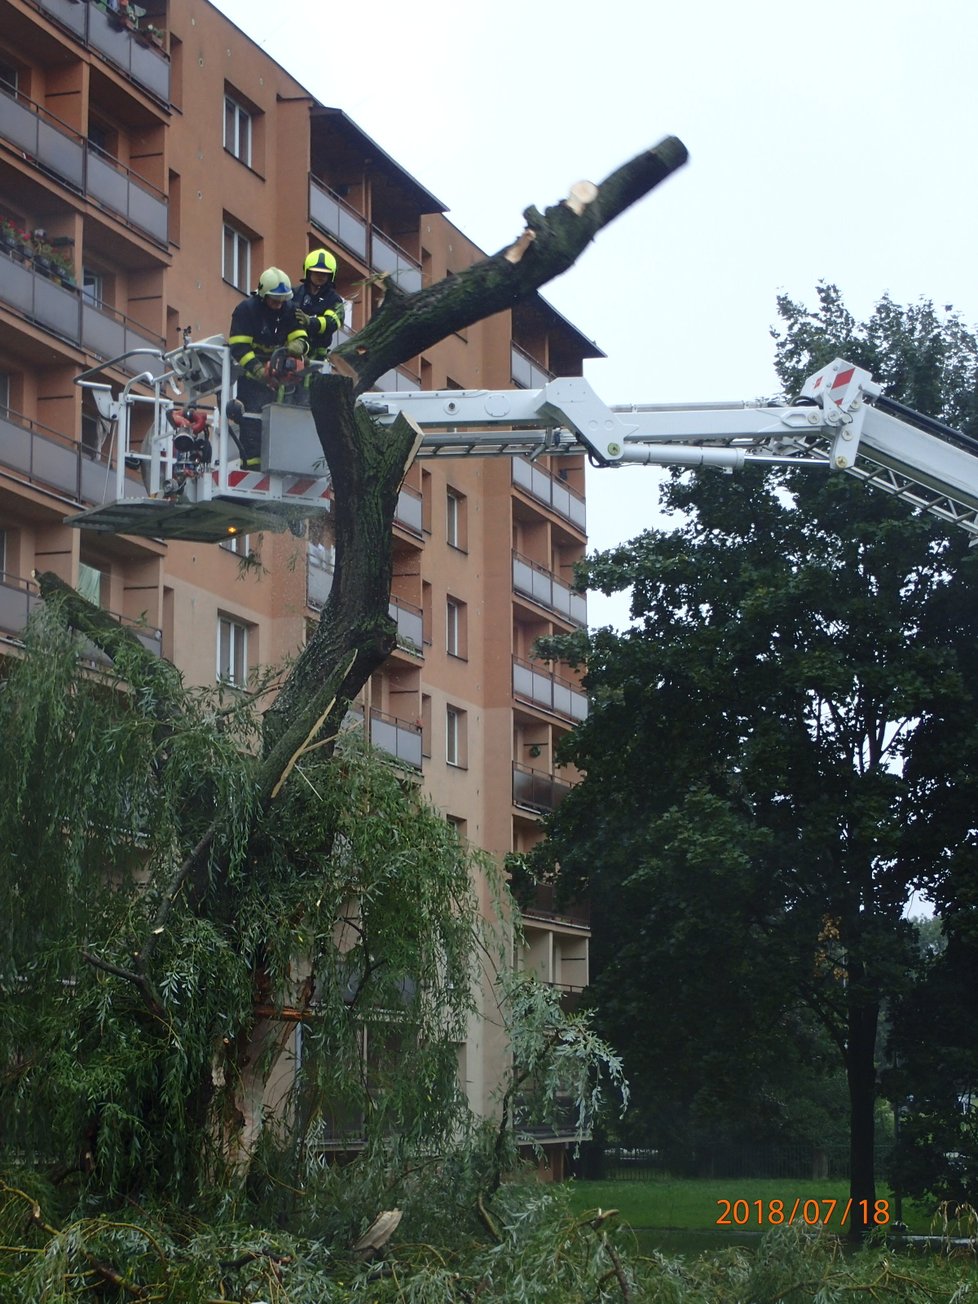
point(153, 160)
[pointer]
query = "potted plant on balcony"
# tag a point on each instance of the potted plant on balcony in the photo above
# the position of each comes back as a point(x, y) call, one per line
point(52, 263)
point(15, 240)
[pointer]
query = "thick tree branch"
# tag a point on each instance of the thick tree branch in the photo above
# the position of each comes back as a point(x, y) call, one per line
point(549, 245)
point(139, 981)
point(115, 640)
point(356, 634)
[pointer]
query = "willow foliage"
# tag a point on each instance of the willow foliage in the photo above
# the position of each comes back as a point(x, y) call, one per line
point(342, 917)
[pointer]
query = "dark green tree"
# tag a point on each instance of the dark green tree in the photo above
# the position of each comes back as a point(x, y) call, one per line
point(749, 825)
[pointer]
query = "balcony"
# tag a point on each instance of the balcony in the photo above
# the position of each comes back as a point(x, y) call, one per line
point(66, 155)
point(408, 513)
point(332, 214)
point(548, 691)
point(397, 380)
point(561, 1123)
point(543, 587)
point(526, 372)
point(385, 256)
point(544, 905)
point(144, 64)
point(551, 491)
point(399, 738)
point(319, 575)
point(536, 790)
point(19, 598)
point(53, 461)
point(410, 627)
point(65, 313)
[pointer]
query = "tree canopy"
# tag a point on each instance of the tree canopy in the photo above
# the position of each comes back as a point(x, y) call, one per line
point(768, 751)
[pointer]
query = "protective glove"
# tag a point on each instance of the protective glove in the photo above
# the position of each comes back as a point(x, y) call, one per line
point(255, 370)
point(302, 318)
point(297, 348)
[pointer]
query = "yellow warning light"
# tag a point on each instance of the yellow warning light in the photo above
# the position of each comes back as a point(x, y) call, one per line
point(232, 529)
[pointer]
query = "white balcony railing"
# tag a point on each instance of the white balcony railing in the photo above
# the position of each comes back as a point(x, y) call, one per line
point(548, 489)
point(67, 314)
point(525, 371)
point(68, 156)
point(45, 457)
point(319, 574)
point(549, 691)
point(333, 215)
point(410, 625)
point(543, 587)
point(536, 790)
point(19, 598)
point(409, 511)
point(398, 738)
point(336, 218)
point(143, 62)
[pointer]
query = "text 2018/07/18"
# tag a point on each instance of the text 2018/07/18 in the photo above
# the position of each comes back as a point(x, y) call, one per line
point(774, 1213)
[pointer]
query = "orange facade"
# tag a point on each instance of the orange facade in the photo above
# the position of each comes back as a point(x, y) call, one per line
point(150, 168)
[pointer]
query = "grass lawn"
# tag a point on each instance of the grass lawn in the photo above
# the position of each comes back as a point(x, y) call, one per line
point(695, 1204)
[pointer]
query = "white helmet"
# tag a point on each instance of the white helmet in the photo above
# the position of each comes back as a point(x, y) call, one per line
point(274, 281)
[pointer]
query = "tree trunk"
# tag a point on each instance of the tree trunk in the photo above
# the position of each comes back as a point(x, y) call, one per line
point(862, 1023)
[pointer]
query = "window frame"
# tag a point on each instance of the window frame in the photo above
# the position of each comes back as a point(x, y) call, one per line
point(10, 85)
point(239, 544)
point(455, 519)
point(237, 640)
point(456, 740)
point(93, 287)
point(456, 628)
point(232, 275)
point(237, 113)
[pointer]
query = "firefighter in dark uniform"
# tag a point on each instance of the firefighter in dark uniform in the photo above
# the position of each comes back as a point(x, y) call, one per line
point(263, 325)
point(318, 306)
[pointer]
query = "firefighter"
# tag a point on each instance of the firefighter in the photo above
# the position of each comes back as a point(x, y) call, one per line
point(263, 326)
point(319, 309)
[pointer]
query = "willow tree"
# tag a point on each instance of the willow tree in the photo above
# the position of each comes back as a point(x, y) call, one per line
point(185, 880)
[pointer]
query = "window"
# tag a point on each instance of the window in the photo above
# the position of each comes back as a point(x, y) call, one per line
point(456, 632)
point(8, 77)
point(425, 725)
point(426, 501)
point(232, 652)
point(4, 394)
point(456, 519)
point(237, 130)
point(236, 262)
point(239, 544)
point(93, 287)
point(102, 139)
point(456, 749)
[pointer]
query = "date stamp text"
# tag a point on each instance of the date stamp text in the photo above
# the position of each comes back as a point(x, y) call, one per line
point(812, 1212)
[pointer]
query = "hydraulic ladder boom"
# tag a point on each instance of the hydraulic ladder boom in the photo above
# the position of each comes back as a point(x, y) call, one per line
point(195, 488)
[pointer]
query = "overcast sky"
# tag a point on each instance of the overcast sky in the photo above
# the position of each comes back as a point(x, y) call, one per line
point(834, 142)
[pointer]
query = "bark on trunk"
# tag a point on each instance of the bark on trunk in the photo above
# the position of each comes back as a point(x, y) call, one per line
point(862, 1021)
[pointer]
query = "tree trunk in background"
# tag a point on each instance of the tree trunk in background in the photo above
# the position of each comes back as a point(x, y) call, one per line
point(862, 1021)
